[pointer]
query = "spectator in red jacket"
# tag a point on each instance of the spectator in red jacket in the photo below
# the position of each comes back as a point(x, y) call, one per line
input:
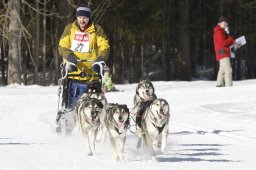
point(222, 43)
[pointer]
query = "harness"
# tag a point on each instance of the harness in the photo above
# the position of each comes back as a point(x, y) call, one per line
point(160, 129)
point(143, 106)
point(117, 130)
point(154, 119)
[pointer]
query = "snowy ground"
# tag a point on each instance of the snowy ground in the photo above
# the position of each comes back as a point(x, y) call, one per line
point(211, 128)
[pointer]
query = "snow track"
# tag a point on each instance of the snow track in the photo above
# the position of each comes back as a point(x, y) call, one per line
point(210, 128)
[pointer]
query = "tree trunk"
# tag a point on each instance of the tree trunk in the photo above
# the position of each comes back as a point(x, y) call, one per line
point(2, 64)
point(14, 42)
point(44, 45)
point(37, 43)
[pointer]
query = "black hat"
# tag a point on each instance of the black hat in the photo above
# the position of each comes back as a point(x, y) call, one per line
point(83, 10)
point(222, 18)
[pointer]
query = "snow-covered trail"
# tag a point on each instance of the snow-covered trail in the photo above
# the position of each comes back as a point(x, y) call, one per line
point(211, 128)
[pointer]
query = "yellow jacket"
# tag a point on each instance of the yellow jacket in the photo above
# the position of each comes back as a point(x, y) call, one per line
point(96, 45)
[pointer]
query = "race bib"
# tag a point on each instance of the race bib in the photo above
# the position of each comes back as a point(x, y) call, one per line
point(81, 42)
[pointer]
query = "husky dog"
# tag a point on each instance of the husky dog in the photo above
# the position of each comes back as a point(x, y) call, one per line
point(116, 121)
point(66, 120)
point(97, 93)
point(87, 112)
point(155, 125)
point(145, 94)
point(94, 92)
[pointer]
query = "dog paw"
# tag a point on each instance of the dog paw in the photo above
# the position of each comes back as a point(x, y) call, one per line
point(122, 158)
point(153, 158)
point(117, 159)
point(163, 150)
point(89, 154)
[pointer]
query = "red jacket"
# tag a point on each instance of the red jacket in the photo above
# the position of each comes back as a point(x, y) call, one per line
point(222, 43)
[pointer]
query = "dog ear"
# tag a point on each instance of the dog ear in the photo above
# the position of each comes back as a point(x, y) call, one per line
point(125, 108)
point(128, 119)
point(98, 102)
point(127, 123)
point(165, 101)
point(111, 108)
point(151, 84)
point(138, 86)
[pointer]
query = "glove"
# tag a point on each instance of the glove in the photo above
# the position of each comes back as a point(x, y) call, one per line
point(97, 65)
point(227, 30)
point(71, 66)
point(71, 59)
point(237, 45)
point(232, 49)
point(100, 58)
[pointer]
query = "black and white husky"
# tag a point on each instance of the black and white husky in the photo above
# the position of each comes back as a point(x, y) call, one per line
point(95, 93)
point(116, 120)
point(87, 116)
point(155, 125)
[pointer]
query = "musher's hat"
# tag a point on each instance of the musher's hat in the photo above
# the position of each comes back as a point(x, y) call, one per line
point(83, 10)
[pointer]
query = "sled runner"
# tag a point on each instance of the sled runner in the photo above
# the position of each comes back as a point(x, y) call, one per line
point(71, 88)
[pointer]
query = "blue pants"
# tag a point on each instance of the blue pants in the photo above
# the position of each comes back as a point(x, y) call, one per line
point(75, 90)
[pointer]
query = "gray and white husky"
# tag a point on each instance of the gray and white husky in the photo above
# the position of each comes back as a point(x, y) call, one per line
point(66, 120)
point(87, 116)
point(116, 122)
point(145, 91)
point(155, 125)
point(145, 94)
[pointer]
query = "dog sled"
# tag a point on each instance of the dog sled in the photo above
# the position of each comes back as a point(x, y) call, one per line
point(71, 88)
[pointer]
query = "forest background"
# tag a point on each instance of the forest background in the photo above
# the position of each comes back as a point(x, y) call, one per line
point(162, 40)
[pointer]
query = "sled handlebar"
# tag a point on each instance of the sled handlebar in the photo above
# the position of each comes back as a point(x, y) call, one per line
point(85, 61)
point(82, 74)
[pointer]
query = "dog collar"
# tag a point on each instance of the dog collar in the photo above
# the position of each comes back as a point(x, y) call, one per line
point(160, 129)
point(117, 130)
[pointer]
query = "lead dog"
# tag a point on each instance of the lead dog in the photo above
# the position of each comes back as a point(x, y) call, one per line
point(87, 116)
point(155, 125)
point(116, 121)
point(145, 94)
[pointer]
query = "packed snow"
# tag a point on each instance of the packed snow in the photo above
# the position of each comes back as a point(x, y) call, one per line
point(210, 128)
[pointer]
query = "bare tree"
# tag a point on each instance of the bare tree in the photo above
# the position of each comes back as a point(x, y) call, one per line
point(14, 37)
point(44, 42)
point(37, 39)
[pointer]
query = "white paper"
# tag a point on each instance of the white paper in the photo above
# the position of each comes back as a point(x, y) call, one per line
point(240, 41)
